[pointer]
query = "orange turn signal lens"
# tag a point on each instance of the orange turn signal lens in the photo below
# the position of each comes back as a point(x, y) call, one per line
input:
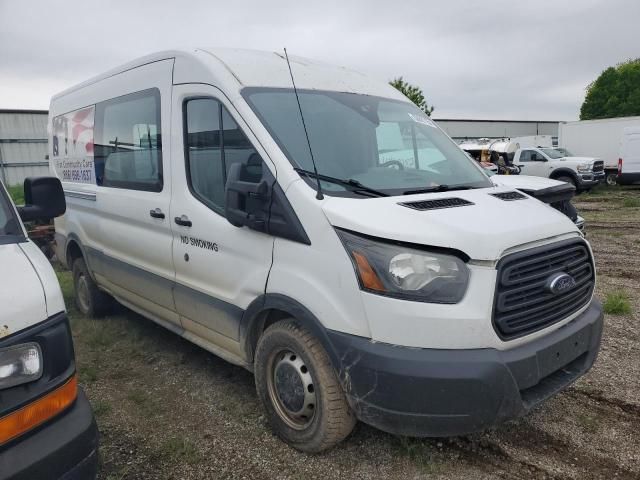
point(367, 275)
point(38, 411)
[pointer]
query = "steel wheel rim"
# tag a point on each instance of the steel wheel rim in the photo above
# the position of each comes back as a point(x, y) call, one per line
point(83, 293)
point(611, 180)
point(291, 389)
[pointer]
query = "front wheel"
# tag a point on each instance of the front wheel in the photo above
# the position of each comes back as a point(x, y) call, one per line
point(612, 179)
point(567, 179)
point(299, 390)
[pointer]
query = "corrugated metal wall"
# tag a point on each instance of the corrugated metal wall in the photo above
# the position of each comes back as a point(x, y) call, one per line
point(23, 145)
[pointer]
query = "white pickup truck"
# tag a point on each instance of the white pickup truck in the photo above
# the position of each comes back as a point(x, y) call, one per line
point(559, 164)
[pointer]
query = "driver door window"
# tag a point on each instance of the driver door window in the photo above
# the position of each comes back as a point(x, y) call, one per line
point(525, 156)
point(213, 142)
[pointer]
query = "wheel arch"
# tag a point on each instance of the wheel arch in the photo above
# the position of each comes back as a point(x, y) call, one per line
point(560, 172)
point(268, 309)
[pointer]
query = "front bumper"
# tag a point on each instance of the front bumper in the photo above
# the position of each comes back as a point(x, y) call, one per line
point(591, 179)
point(429, 392)
point(65, 448)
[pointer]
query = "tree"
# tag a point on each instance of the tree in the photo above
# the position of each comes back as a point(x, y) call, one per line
point(615, 93)
point(413, 93)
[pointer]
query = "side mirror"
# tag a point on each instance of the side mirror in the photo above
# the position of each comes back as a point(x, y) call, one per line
point(43, 198)
point(246, 202)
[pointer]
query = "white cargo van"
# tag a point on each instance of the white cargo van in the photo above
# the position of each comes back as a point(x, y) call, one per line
point(330, 238)
point(47, 429)
point(629, 161)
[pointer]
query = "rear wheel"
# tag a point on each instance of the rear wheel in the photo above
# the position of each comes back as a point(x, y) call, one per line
point(299, 390)
point(90, 300)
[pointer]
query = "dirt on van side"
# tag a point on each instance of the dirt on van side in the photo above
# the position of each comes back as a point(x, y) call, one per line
point(167, 409)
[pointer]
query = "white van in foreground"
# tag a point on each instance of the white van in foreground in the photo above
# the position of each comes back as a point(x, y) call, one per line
point(397, 285)
point(47, 429)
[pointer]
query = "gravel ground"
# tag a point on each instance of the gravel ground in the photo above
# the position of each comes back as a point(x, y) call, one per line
point(167, 409)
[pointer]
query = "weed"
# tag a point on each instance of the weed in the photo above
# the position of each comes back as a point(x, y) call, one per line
point(631, 202)
point(589, 423)
point(421, 453)
point(179, 448)
point(88, 373)
point(101, 408)
point(617, 303)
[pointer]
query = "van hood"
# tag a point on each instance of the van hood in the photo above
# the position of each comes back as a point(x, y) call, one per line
point(483, 230)
point(22, 294)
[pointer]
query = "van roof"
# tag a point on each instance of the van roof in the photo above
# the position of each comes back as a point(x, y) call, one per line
point(253, 68)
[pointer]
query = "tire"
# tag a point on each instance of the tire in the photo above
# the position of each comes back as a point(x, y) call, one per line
point(567, 179)
point(611, 179)
point(90, 300)
point(293, 371)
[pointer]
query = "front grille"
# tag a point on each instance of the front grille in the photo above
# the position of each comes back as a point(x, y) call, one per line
point(598, 166)
point(508, 196)
point(437, 203)
point(523, 304)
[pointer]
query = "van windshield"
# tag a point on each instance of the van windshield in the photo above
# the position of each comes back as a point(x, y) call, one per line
point(9, 225)
point(383, 144)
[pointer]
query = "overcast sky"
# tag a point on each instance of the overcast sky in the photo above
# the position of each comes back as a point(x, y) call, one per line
point(494, 59)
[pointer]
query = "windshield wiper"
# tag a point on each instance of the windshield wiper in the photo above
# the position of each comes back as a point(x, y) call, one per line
point(438, 188)
point(351, 184)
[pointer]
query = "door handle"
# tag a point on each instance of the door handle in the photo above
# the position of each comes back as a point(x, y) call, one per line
point(156, 213)
point(183, 220)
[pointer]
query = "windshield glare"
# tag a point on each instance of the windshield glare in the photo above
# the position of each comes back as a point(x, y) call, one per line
point(8, 222)
point(557, 152)
point(382, 143)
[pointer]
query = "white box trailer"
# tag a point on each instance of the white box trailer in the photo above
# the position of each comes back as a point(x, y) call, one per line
point(597, 138)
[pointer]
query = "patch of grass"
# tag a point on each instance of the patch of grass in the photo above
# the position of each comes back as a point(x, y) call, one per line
point(143, 401)
point(179, 448)
point(88, 373)
point(421, 453)
point(17, 194)
point(617, 303)
point(631, 202)
point(589, 423)
point(66, 284)
point(101, 408)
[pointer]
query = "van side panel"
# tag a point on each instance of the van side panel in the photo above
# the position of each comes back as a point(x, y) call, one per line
point(127, 248)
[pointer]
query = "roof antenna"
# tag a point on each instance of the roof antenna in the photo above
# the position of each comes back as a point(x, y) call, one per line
point(319, 195)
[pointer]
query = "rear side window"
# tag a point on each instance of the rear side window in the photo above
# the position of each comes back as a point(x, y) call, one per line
point(128, 142)
point(213, 142)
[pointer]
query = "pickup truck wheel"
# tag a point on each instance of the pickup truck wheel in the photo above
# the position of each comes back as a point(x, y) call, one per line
point(612, 179)
point(90, 300)
point(299, 390)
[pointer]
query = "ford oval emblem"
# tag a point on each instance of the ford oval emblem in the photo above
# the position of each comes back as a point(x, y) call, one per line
point(560, 283)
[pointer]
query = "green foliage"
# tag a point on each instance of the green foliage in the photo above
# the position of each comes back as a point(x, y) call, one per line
point(413, 93)
point(17, 194)
point(631, 202)
point(615, 93)
point(617, 303)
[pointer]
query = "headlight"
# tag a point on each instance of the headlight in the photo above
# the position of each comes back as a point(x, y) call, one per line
point(405, 272)
point(20, 364)
point(584, 168)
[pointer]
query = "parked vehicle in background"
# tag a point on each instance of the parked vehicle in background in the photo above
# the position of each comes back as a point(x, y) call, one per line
point(47, 429)
point(559, 164)
point(554, 193)
point(597, 138)
point(629, 161)
point(329, 238)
